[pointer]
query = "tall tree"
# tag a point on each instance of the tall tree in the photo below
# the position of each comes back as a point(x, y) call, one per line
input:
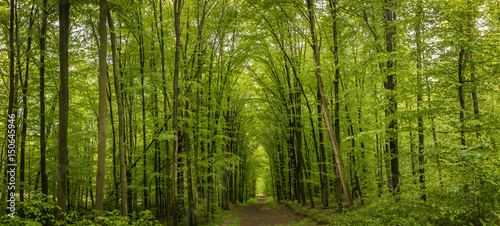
point(25, 105)
point(420, 117)
point(390, 85)
point(324, 107)
point(101, 152)
point(177, 27)
point(121, 117)
point(336, 81)
point(11, 111)
point(62, 156)
point(43, 143)
point(165, 108)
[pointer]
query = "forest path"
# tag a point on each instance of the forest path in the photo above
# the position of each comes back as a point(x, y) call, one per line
point(267, 214)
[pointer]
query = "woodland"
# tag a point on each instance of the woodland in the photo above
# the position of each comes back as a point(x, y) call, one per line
point(173, 112)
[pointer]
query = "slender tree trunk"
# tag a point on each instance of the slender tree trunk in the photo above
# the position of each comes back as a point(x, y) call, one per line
point(336, 111)
point(62, 157)
point(333, 141)
point(187, 147)
point(113, 131)
point(10, 169)
point(177, 16)
point(390, 85)
point(121, 117)
point(200, 23)
point(165, 109)
point(25, 109)
point(475, 101)
point(43, 143)
point(420, 118)
point(461, 95)
point(324, 186)
point(225, 201)
point(101, 152)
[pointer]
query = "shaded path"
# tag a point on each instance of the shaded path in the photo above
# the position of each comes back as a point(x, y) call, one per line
point(267, 214)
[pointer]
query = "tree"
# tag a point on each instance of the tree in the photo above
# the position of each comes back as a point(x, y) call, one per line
point(12, 111)
point(177, 18)
point(62, 156)
point(390, 85)
point(101, 158)
point(326, 117)
point(121, 118)
point(420, 118)
point(43, 144)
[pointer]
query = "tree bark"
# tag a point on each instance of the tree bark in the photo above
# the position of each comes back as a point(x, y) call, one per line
point(420, 118)
point(390, 85)
point(62, 157)
point(11, 113)
point(142, 60)
point(177, 16)
point(461, 95)
point(336, 111)
point(333, 141)
point(121, 117)
point(225, 201)
point(25, 107)
point(43, 143)
point(165, 109)
point(101, 146)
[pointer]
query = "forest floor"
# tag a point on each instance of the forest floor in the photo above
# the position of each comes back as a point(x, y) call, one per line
point(267, 214)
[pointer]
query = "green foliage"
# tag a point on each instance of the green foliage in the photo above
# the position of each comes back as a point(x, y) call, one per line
point(270, 200)
point(38, 210)
point(251, 201)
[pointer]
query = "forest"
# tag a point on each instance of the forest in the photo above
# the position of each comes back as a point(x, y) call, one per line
point(177, 112)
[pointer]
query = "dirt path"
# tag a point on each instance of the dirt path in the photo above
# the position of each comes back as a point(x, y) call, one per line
point(262, 214)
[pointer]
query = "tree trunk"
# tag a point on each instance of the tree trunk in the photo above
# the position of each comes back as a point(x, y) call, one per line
point(333, 141)
point(10, 169)
point(62, 157)
point(336, 111)
point(420, 118)
point(324, 186)
point(43, 143)
point(165, 109)
point(25, 107)
point(177, 16)
point(390, 85)
point(142, 60)
point(121, 117)
point(475, 101)
point(101, 146)
point(225, 201)
point(461, 95)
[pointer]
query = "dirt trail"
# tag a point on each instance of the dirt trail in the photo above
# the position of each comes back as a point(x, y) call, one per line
point(262, 214)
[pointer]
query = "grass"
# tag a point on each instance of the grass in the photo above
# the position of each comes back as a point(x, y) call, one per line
point(250, 201)
point(229, 218)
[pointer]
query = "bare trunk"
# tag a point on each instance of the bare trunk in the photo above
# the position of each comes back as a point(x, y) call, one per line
point(177, 17)
point(165, 109)
point(43, 143)
point(62, 157)
point(10, 169)
point(101, 146)
point(420, 118)
point(461, 96)
point(333, 140)
point(392, 106)
point(121, 118)
point(25, 107)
